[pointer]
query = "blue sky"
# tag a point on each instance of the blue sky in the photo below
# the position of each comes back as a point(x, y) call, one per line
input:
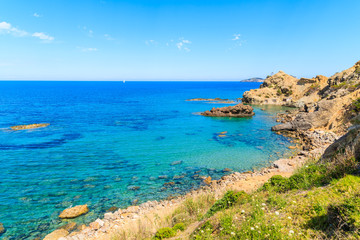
point(176, 40)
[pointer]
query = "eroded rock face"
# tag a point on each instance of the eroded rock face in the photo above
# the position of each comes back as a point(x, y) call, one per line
point(239, 110)
point(349, 142)
point(30, 126)
point(74, 211)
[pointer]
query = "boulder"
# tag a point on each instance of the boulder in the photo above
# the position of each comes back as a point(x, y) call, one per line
point(239, 110)
point(74, 211)
point(55, 235)
point(349, 142)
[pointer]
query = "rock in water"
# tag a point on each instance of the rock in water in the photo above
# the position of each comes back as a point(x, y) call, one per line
point(30, 126)
point(55, 235)
point(74, 211)
point(2, 229)
point(239, 110)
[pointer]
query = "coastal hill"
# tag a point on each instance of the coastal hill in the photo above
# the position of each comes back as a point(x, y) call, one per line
point(311, 195)
point(326, 103)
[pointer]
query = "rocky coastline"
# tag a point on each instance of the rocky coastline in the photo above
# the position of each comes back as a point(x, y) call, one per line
point(325, 120)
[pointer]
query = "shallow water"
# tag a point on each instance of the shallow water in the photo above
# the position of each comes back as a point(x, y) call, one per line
point(105, 138)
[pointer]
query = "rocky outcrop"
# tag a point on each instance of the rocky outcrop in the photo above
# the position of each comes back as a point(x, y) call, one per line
point(30, 126)
point(349, 144)
point(286, 90)
point(239, 110)
point(55, 235)
point(326, 104)
point(74, 211)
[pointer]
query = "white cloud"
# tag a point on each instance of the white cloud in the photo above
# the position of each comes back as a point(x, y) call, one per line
point(151, 42)
point(183, 44)
point(6, 28)
point(237, 41)
point(89, 49)
point(108, 37)
point(236, 37)
point(43, 36)
point(37, 15)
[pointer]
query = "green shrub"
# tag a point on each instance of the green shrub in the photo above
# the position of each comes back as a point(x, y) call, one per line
point(229, 199)
point(179, 226)
point(356, 105)
point(163, 233)
point(346, 215)
point(277, 183)
point(357, 69)
point(204, 232)
point(340, 85)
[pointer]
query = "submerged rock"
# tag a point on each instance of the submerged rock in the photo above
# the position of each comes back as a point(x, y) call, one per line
point(74, 211)
point(30, 126)
point(112, 209)
point(69, 227)
point(239, 110)
point(2, 229)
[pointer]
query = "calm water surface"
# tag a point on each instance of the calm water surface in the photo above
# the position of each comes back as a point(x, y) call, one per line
point(105, 138)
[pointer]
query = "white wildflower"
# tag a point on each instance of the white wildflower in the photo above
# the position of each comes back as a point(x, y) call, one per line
point(289, 217)
point(232, 233)
point(277, 213)
point(252, 229)
point(242, 211)
point(291, 232)
point(263, 204)
point(263, 208)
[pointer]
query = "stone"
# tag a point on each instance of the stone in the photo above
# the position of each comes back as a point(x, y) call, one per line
point(239, 110)
point(207, 180)
point(176, 163)
point(69, 227)
point(55, 235)
point(134, 188)
point(74, 211)
point(226, 170)
point(94, 225)
point(169, 183)
point(30, 126)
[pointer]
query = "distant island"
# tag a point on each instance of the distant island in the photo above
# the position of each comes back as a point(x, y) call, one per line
point(253, 80)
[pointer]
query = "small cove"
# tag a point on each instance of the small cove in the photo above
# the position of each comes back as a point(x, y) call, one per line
point(110, 144)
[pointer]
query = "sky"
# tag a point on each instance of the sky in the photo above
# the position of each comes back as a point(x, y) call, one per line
point(176, 39)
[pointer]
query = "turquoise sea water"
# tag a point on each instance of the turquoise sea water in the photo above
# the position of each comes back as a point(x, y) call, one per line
point(106, 138)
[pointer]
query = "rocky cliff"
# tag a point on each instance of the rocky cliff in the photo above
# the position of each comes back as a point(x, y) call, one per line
point(323, 103)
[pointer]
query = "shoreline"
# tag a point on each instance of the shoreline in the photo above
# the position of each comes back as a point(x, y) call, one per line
point(130, 219)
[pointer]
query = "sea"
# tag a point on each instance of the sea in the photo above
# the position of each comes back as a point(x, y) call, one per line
point(114, 144)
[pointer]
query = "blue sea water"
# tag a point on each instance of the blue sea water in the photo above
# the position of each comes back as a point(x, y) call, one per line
point(105, 138)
